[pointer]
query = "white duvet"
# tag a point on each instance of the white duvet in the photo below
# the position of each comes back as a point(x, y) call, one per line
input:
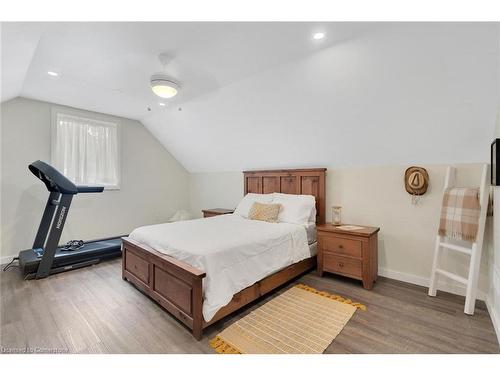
point(233, 251)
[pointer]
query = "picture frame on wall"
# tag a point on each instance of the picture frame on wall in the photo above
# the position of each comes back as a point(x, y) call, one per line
point(495, 162)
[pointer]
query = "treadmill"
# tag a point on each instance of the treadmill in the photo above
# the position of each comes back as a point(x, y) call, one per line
point(46, 257)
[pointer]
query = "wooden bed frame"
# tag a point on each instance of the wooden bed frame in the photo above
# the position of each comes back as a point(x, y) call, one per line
point(177, 286)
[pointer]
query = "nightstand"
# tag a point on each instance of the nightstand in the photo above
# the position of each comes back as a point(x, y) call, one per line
point(216, 211)
point(351, 253)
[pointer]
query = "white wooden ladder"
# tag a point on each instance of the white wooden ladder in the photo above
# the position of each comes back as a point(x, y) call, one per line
point(474, 251)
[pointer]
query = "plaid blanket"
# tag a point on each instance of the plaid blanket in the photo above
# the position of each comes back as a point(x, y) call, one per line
point(460, 214)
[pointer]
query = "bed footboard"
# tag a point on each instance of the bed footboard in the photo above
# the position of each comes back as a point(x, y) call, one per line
point(175, 285)
point(178, 287)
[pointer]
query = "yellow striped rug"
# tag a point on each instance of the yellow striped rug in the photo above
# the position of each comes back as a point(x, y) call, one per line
point(300, 320)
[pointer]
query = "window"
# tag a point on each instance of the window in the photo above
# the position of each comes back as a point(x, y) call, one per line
point(86, 150)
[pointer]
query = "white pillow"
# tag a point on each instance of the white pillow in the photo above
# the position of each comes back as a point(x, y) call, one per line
point(248, 200)
point(295, 209)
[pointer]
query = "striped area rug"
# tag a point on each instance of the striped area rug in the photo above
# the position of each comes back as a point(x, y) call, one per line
point(300, 320)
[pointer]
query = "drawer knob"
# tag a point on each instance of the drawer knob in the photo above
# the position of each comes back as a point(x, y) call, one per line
point(341, 247)
point(341, 265)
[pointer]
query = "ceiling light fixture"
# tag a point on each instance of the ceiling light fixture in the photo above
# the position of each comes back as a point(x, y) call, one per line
point(163, 85)
point(53, 74)
point(162, 104)
point(318, 36)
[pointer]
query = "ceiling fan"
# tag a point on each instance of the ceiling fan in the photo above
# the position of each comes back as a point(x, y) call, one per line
point(162, 84)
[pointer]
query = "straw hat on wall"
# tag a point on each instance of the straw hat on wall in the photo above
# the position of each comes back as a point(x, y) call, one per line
point(416, 180)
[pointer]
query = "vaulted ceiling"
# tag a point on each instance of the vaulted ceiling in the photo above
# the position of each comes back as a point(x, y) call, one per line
point(106, 67)
point(268, 95)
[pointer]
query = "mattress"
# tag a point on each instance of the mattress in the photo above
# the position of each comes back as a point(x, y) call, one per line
point(233, 251)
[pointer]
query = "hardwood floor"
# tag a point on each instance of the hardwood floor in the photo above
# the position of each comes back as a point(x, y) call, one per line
point(93, 310)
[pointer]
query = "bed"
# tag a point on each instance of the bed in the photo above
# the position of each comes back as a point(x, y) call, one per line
point(196, 286)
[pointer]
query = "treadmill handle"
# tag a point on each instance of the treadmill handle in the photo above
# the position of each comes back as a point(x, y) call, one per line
point(90, 189)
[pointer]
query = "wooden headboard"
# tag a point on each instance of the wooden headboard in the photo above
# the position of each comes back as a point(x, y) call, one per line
point(290, 181)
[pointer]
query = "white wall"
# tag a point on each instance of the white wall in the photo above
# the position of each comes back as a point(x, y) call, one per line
point(215, 190)
point(373, 196)
point(153, 185)
point(494, 296)
point(493, 301)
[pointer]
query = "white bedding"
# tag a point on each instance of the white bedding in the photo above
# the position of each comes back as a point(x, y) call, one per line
point(233, 251)
point(311, 232)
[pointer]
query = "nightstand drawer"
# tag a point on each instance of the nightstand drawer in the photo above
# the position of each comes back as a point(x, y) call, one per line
point(342, 265)
point(334, 244)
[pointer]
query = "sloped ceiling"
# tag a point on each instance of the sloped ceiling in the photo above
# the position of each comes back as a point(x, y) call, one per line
point(260, 95)
point(106, 67)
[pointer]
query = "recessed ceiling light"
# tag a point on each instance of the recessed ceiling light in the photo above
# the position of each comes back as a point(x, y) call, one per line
point(318, 36)
point(162, 104)
point(53, 74)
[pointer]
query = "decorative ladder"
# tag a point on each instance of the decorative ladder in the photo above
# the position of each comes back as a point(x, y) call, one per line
point(474, 251)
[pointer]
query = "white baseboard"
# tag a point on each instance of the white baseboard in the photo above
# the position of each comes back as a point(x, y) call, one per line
point(493, 300)
point(424, 281)
point(7, 259)
point(495, 318)
point(406, 277)
point(396, 275)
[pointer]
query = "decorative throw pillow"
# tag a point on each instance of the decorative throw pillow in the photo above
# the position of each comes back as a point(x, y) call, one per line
point(264, 212)
point(245, 205)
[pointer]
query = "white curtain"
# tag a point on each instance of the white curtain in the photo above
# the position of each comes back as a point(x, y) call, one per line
point(86, 150)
